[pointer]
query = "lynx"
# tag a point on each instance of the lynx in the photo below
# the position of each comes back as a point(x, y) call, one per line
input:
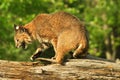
point(63, 31)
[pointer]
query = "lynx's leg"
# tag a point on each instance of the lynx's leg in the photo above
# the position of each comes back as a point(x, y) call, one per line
point(80, 51)
point(62, 49)
point(60, 56)
point(54, 43)
point(39, 50)
point(36, 54)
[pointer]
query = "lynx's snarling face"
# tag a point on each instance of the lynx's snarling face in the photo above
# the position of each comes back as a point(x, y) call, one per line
point(21, 37)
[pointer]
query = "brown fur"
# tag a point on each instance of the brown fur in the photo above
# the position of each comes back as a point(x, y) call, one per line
point(63, 30)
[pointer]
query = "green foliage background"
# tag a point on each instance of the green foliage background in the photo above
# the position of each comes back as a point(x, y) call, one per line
point(102, 19)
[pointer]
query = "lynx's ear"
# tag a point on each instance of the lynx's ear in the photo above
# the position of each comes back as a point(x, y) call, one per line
point(16, 27)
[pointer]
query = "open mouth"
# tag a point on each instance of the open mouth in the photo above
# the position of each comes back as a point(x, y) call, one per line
point(23, 45)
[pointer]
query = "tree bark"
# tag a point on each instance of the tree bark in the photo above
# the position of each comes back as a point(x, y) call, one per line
point(74, 69)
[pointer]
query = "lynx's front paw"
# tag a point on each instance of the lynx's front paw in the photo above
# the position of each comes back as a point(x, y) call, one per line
point(34, 56)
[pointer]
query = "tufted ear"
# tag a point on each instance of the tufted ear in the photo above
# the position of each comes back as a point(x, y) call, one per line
point(16, 27)
point(19, 28)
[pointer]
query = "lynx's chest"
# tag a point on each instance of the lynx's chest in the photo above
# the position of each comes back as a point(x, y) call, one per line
point(42, 39)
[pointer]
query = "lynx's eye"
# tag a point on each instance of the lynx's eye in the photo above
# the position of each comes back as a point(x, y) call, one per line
point(17, 40)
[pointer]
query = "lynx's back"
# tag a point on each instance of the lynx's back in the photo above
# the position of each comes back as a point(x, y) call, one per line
point(58, 22)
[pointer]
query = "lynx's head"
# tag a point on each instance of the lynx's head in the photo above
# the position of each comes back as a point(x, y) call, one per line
point(21, 37)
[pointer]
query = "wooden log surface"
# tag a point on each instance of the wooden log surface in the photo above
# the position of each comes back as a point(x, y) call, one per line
point(74, 69)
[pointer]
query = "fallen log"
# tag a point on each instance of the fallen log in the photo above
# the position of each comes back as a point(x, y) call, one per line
point(74, 69)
